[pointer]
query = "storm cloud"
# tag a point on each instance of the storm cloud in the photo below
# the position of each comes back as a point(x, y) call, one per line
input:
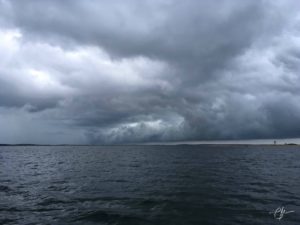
point(106, 72)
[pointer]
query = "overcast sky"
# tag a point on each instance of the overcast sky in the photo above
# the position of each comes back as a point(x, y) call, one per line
point(115, 71)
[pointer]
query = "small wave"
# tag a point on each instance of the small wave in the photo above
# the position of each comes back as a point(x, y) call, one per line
point(7, 221)
point(4, 188)
point(96, 199)
point(53, 201)
point(11, 209)
point(109, 217)
point(116, 180)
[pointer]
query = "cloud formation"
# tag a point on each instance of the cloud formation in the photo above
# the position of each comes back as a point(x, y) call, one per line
point(147, 71)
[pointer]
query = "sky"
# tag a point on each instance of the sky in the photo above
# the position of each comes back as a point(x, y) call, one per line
point(139, 71)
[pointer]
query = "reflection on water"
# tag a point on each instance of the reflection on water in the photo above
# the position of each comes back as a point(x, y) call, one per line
point(149, 185)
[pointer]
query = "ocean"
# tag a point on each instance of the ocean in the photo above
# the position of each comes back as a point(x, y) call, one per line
point(182, 184)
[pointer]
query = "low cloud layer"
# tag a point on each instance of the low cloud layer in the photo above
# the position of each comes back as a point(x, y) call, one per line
point(110, 72)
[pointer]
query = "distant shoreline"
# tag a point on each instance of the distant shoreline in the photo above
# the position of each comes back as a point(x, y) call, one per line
point(198, 144)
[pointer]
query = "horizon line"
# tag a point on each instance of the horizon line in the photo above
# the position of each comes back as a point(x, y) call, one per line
point(274, 141)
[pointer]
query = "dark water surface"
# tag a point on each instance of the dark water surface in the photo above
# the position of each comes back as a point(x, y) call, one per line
point(149, 185)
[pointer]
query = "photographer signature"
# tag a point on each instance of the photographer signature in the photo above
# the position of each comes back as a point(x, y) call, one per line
point(280, 212)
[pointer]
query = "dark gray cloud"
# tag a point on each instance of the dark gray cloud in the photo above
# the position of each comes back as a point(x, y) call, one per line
point(146, 71)
point(196, 37)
